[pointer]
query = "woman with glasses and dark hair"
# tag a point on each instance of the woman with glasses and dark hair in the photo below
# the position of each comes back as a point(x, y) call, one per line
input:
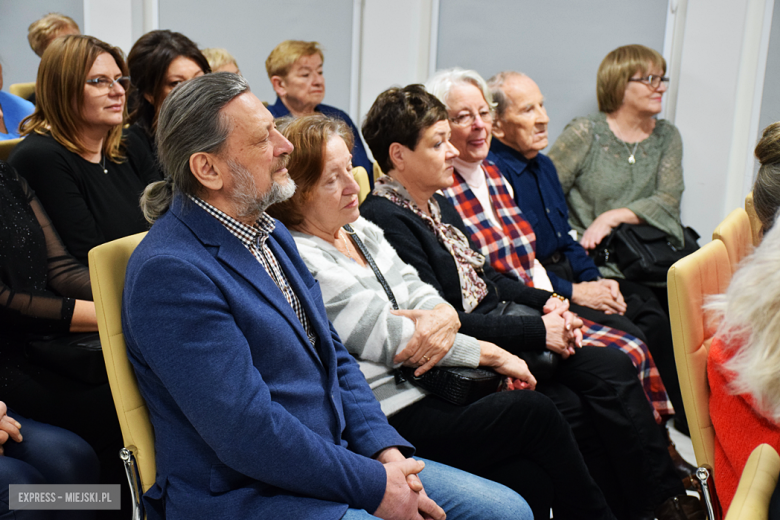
point(623, 164)
point(158, 61)
point(73, 156)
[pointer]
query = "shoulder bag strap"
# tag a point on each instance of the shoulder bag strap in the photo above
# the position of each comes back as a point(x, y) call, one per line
point(360, 245)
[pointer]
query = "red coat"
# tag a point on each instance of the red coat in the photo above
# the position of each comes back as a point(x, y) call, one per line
point(739, 427)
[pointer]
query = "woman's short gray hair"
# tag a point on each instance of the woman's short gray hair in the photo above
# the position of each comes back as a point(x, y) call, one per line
point(441, 83)
point(189, 122)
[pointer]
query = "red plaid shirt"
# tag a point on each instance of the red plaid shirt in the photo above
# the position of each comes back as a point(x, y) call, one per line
point(511, 247)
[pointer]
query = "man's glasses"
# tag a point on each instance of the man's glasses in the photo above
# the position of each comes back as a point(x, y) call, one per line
point(105, 84)
point(468, 118)
point(652, 81)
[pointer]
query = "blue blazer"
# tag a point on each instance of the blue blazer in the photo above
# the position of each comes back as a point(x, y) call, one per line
point(250, 419)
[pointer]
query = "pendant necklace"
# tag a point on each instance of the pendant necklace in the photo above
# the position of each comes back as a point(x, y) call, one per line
point(631, 158)
point(104, 165)
point(344, 238)
point(631, 154)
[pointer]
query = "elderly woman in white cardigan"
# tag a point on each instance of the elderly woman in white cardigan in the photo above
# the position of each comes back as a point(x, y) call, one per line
point(517, 438)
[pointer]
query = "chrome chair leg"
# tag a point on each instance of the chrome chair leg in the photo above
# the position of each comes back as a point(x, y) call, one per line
point(134, 480)
point(704, 476)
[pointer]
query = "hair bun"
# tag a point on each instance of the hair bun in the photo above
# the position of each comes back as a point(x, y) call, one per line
point(768, 148)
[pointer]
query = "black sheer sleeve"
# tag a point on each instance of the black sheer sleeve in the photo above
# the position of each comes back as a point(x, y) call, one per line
point(39, 280)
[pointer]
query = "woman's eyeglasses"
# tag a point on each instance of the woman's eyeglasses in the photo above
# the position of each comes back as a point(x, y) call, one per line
point(652, 80)
point(105, 84)
point(468, 118)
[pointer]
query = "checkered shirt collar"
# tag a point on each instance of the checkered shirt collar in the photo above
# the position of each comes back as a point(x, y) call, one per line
point(248, 235)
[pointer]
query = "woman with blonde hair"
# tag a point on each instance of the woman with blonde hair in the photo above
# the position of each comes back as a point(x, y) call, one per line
point(294, 68)
point(44, 30)
point(220, 60)
point(73, 156)
point(622, 164)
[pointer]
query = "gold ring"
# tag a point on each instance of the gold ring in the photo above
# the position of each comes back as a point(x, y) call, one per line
point(426, 358)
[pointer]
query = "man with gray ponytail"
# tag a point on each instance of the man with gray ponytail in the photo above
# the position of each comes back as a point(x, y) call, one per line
point(258, 409)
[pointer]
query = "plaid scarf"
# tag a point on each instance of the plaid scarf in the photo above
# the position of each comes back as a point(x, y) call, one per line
point(469, 262)
point(510, 247)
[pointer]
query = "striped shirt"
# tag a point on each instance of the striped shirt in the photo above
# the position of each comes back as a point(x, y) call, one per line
point(254, 239)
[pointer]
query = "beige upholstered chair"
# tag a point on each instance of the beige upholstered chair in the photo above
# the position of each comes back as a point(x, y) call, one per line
point(361, 176)
point(758, 481)
point(377, 171)
point(690, 280)
point(7, 146)
point(755, 223)
point(23, 90)
point(107, 266)
point(736, 234)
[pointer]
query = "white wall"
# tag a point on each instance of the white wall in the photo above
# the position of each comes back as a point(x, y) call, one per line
point(20, 64)
point(395, 47)
point(714, 111)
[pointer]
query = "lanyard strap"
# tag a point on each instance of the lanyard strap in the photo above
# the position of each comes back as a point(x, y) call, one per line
point(359, 243)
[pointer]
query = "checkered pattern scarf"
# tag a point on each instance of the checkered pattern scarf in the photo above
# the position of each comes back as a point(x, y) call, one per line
point(511, 247)
point(469, 262)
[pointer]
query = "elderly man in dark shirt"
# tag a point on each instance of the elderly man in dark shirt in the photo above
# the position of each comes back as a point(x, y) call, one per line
point(519, 135)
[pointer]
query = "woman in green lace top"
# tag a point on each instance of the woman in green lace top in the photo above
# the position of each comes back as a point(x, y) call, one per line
point(623, 164)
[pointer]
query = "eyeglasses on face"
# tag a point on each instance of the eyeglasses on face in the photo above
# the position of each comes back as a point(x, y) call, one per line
point(652, 81)
point(468, 118)
point(105, 84)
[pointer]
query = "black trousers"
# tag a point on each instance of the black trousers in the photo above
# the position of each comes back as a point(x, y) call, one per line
point(645, 318)
point(651, 315)
point(598, 393)
point(516, 438)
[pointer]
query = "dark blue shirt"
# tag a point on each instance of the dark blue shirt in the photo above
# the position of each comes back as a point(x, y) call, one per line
point(540, 197)
point(359, 155)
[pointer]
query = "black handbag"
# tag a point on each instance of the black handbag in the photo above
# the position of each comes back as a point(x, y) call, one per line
point(77, 356)
point(541, 363)
point(457, 385)
point(643, 253)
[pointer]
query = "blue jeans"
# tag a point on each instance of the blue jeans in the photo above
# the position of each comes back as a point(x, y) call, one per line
point(46, 455)
point(464, 496)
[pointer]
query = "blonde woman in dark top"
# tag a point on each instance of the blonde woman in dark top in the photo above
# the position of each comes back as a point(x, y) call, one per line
point(73, 156)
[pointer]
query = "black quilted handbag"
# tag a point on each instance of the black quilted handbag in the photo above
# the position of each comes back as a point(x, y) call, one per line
point(643, 253)
point(457, 385)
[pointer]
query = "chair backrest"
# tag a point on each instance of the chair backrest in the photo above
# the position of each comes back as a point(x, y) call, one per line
point(690, 280)
point(736, 234)
point(7, 146)
point(107, 267)
point(23, 90)
point(756, 485)
point(755, 222)
point(377, 171)
point(361, 176)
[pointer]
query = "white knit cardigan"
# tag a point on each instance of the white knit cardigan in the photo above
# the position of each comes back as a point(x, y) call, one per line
point(360, 310)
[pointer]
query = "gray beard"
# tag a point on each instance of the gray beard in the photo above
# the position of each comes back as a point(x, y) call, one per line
point(247, 201)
